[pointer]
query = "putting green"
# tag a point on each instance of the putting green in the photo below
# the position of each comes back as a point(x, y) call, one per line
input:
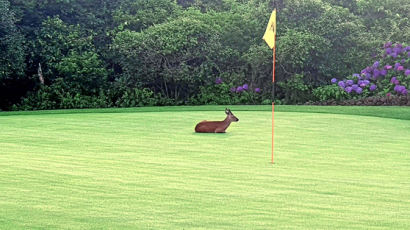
point(149, 170)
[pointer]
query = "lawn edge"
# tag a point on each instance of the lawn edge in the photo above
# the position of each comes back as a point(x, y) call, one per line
point(394, 112)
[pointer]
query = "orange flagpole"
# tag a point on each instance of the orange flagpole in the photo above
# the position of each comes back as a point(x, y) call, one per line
point(273, 127)
point(270, 39)
point(273, 102)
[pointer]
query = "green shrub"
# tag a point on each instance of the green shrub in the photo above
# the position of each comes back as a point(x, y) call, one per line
point(136, 98)
point(60, 96)
point(218, 94)
point(295, 90)
point(329, 92)
point(224, 94)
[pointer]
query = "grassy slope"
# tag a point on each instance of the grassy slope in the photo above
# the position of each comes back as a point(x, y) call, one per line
point(150, 171)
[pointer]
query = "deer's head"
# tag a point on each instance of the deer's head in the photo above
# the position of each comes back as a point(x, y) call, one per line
point(231, 117)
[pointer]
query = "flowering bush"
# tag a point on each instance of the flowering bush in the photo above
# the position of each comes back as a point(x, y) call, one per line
point(244, 88)
point(389, 75)
point(247, 95)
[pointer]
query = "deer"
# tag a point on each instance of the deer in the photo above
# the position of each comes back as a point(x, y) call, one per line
point(216, 126)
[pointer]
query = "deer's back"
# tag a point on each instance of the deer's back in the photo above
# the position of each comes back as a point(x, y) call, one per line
point(208, 126)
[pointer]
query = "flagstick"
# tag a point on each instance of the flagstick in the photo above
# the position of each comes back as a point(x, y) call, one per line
point(269, 34)
point(273, 129)
point(273, 101)
point(274, 57)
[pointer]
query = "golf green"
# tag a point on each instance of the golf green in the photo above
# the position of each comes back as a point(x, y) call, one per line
point(147, 169)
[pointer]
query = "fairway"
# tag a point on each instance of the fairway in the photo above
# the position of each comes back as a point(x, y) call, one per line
point(139, 169)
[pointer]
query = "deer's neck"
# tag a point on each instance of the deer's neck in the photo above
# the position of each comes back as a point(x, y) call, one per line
point(226, 122)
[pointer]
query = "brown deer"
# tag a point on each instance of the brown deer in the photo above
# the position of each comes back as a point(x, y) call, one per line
point(216, 126)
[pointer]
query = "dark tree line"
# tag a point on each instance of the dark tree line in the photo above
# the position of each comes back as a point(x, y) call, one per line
point(101, 53)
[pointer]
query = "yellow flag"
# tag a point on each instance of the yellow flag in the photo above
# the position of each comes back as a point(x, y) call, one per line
point(270, 32)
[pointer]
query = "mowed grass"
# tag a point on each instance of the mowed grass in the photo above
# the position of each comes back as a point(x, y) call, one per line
point(149, 170)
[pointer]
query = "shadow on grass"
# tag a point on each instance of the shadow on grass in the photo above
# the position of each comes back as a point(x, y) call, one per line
point(214, 135)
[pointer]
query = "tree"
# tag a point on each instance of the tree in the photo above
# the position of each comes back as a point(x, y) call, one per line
point(172, 57)
point(141, 14)
point(12, 57)
point(11, 43)
point(67, 52)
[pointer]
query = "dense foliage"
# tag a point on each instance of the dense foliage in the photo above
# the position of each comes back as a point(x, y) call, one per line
point(101, 53)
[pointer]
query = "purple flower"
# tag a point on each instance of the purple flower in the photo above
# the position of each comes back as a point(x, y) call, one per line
point(359, 90)
point(218, 81)
point(366, 82)
point(408, 54)
point(239, 89)
point(387, 44)
point(396, 82)
point(407, 48)
point(394, 55)
point(407, 72)
point(373, 87)
point(404, 91)
point(403, 61)
point(376, 73)
point(388, 94)
point(341, 84)
point(397, 50)
point(233, 89)
point(383, 72)
point(376, 64)
point(388, 51)
point(399, 45)
point(368, 69)
point(257, 90)
point(399, 88)
point(356, 75)
point(388, 67)
point(368, 75)
point(348, 89)
point(362, 85)
point(349, 82)
point(400, 68)
point(334, 80)
point(355, 86)
point(245, 87)
point(393, 79)
point(396, 65)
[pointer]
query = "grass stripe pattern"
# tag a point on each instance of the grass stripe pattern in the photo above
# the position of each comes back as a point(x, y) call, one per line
point(149, 170)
